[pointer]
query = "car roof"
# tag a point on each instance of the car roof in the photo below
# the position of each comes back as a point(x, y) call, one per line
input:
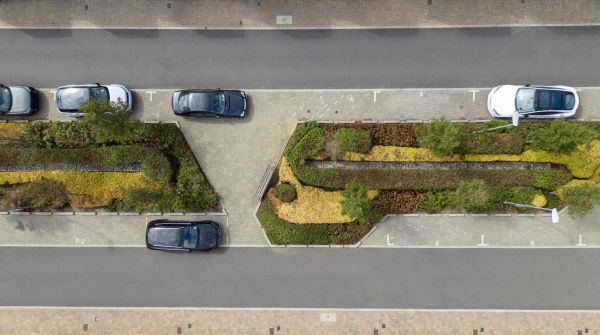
point(166, 236)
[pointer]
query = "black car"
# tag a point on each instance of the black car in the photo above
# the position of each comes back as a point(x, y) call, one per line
point(183, 235)
point(215, 103)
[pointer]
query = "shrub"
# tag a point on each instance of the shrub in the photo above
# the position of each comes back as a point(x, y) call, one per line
point(283, 232)
point(356, 203)
point(70, 134)
point(581, 198)
point(396, 202)
point(193, 192)
point(562, 136)
point(441, 136)
point(311, 144)
point(472, 195)
point(46, 194)
point(355, 140)
point(551, 179)
point(143, 199)
point(109, 121)
point(36, 134)
point(493, 143)
point(348, 233)
point(434, 202)
point(299, 133)
point(286, 192)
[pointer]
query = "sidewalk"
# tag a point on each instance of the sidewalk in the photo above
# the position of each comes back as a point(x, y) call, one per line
point(16, 321)
point(232, 14)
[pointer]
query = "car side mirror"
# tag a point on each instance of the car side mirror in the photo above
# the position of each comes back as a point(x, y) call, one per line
point(515, 118)
point(527, 85)
point(97, 84)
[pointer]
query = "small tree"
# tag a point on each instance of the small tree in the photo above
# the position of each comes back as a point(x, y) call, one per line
point(562, 136)
point(110, 121)
point(441, 136)
point(472, 195)
point(581, 199)
point(356, 203)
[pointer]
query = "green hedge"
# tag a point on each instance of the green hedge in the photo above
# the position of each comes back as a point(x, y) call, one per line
point(283, 232)
point(423, 180)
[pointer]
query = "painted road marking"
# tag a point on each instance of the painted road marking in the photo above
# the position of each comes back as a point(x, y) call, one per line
point(375, 95)
point(580, 244)
point(474, 91)
point(482, 244)
point(151, 94)
point(388, 240)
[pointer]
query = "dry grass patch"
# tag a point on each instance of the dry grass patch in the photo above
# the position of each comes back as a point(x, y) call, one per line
point(86, 189)
point(312, 205)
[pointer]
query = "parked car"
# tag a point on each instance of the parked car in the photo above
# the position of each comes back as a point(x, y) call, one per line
point(183, 235)
point(532, 101)
point(215, 103)
point(18, 100)
point(70, 97)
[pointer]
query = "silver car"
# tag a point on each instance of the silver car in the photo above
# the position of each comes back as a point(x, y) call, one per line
point(533, 101)
point(18, 100)
point(70, 97)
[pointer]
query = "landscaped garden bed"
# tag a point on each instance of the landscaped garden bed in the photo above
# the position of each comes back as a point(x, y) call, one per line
point(75, 166)
point(335, 181)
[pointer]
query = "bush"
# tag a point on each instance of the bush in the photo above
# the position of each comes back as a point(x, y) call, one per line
point(394, 134)
point(441, 136)
point(472, 195)
point(70, 134)
point(46, 194)
point(581, 199)
point(355, 140)
point(286, 192)
point(397, 202)
point(562, 136)
point(434, 202)
point(356, 203)
point(282, 232)
point(109, 121)
point(493, 143)
point(193, 192)
point(36, 134)
point(144, 199)
point(348, 233)
point(551, 179)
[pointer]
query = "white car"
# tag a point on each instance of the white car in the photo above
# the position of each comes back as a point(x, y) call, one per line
point(532, 101)
point(70, 97)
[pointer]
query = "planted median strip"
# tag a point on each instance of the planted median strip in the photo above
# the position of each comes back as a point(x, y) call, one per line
point(131, 166)
point(345, 177)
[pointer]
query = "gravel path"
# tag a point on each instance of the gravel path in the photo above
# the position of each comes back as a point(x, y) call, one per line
point(432, 165)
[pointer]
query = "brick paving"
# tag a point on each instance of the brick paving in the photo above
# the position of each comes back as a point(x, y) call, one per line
point(248, 321)
point(308, 13)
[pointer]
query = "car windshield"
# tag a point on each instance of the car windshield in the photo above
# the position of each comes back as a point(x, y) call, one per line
point(5, 99)
point(190, 237)
point(218, 103)
point(184, 102)
point(525, 99)
point(99, 93)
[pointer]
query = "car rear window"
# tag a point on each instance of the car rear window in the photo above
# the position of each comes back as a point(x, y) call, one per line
point(5, 98)
point(550, 100)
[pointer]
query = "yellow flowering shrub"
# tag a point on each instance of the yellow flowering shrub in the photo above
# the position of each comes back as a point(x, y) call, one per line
point(380, 153)
point(573, 183)
point(10, 131)
point(86, 189)
point(312, 205)
point(539, 200)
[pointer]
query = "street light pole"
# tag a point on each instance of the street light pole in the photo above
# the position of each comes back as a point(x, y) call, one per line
point(554, 211)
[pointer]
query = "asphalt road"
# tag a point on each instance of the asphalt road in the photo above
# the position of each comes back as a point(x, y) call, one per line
point(326, 278)
point(473, 57)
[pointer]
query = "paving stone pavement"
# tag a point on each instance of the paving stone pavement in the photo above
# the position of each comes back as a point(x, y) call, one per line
point(518, 230)
point(17, 321)
point(235, 154)
point(241, 14)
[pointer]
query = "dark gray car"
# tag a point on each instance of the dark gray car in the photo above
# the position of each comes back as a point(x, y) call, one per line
point(183, 235)
point(18, 100)
point(215, 103)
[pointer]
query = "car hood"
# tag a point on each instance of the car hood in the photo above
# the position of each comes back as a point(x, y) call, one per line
point(237, 104)
point(116, 92)
point(21, 100)
point(208, 236)
point(502, 101)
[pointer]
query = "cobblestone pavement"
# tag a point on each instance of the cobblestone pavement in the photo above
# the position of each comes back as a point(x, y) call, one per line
point(66, 321)
point(241, 14)
point(235, 165)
